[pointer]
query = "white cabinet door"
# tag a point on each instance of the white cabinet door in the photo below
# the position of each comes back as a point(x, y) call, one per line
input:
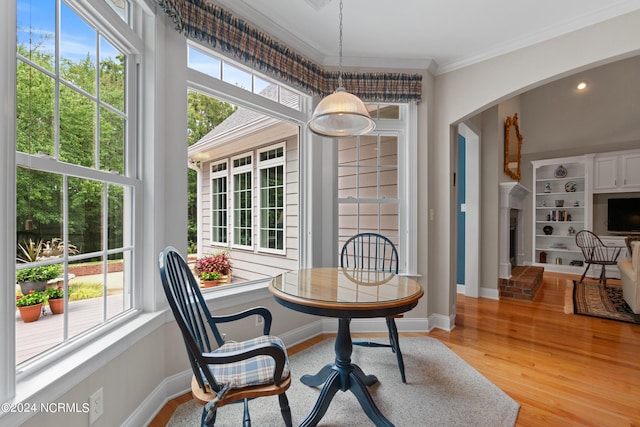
point(630, 172)
point(605, 174)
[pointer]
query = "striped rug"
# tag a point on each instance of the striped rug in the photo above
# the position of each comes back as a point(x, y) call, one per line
point(592, 299)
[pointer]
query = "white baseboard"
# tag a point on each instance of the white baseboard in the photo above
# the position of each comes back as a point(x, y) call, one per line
point(170, 388)
point(489, 293)
point(441, 322)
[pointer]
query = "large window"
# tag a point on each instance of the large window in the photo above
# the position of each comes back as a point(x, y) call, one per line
point(76, 176)
point(219, 203)
point(242, 201)
point(371, 169)
point(272, 190)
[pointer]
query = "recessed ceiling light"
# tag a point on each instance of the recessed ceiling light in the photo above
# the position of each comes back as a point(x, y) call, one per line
point(582, 86)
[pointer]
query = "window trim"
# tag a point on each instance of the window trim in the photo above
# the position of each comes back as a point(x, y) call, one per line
point(217, 175)
point(97, 15)
point(265, 164)
point(237, 170)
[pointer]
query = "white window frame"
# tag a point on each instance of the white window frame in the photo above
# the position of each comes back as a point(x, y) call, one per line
point(266, 164)
point(237, 170)
point(405, 129)
point(125, 39)
point(219, 175)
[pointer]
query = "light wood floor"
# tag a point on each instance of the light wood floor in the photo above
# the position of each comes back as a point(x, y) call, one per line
point(563, 369)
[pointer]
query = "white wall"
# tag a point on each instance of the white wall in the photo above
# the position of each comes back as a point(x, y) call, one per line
point(466, 92)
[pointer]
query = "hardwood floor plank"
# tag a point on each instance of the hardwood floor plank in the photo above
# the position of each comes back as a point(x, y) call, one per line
point(563, 369)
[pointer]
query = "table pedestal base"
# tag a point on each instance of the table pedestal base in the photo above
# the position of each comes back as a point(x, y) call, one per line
point(343, 375)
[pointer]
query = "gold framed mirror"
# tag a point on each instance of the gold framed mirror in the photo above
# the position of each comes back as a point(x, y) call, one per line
point(512, 147)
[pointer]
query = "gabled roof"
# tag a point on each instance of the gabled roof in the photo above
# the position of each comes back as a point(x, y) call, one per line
point(241, 123)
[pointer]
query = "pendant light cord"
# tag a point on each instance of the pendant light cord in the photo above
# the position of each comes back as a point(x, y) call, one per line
point(340, 50)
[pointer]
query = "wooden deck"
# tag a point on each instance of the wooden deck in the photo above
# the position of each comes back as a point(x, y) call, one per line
point(47, 332)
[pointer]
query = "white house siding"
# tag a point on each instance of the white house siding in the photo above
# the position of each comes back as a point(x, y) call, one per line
point(382, 218)
point(255, 264)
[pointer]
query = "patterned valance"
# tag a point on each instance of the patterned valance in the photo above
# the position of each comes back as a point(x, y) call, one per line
point(210, 23)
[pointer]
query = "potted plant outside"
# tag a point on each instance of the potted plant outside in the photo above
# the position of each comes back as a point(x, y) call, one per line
point(37, 277)
point(56, 299)
point(30, 305)
point(217, 265)
point(33, 251)
point(210, 279)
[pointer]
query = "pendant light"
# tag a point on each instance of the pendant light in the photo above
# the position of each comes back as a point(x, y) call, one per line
point(341, 113)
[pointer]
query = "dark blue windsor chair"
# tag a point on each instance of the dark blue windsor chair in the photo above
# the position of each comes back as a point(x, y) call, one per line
point(372, 251)
point(230, 372)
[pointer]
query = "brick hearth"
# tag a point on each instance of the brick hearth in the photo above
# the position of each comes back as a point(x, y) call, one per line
point(524, 283)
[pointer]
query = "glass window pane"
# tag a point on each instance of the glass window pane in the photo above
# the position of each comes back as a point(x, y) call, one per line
point(85, 214)
point(36, 31)
point(112, 83)
point(369, 217)
point(219, 210)
point(368, 151)
point(242, 209)
point(112, 129)
point(347, 151)
point(389, 112)
point(389, 184)
point(86, 292)
point(347, 182)
point(116, 226)
point(204, 63)
point(38, 205)
point(77, 128)
point(368, 183)
point(265, 88)
point(237, 77)
point(389, 150)
point(121, 7)
point(35, 102)
point(289, 98)
point(77, 51)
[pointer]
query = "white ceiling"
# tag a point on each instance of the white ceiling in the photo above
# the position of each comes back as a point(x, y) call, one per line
point(441, 35)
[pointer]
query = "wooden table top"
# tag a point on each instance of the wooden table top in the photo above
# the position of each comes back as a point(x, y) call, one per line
point(343, 289)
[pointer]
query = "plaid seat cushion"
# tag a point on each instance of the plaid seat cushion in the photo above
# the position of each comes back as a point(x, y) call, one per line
point(255, 371)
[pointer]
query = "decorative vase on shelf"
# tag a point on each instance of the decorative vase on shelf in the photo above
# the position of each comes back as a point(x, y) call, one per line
point(543, 257)
point(547, 187)
point(30, 313)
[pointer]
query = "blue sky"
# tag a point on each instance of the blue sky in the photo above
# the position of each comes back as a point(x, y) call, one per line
point(77, 39)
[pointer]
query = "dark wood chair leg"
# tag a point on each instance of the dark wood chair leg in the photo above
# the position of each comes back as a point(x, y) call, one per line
point(285, 410)
point(246, 420)
point(585, 272)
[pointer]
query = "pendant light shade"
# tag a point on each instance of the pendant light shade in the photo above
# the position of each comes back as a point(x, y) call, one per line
point(341, 113)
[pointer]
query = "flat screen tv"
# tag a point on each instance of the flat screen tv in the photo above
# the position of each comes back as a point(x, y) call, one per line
point(623, 215)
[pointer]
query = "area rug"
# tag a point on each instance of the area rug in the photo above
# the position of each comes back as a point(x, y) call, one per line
point(592, 299)
point(441, 390)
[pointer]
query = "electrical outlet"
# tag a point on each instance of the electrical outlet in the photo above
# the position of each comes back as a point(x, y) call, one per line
point(95, 406)
point(259, 320)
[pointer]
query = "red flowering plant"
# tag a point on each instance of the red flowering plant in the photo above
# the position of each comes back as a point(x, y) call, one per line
point(32, 297)
point(208, 265)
